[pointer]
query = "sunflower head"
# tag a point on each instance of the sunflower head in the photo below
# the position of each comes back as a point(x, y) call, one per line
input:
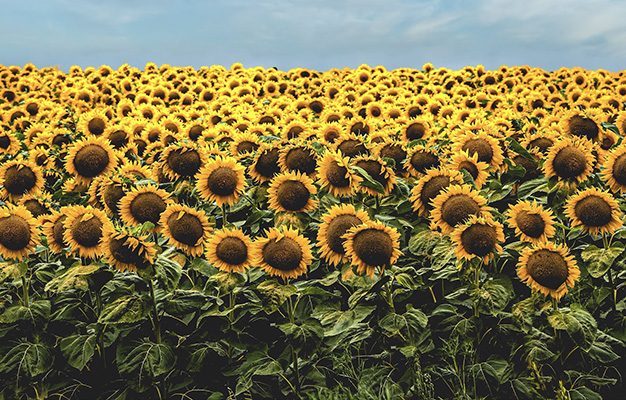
point(430, 185)
point(334, 173)
point(548, 268)
point(89, 158)
point(420, 159)
point(570, 161)
point(19, 178)
point(229, 250)
point(298, 157)
point(292, 192)
point(186, 228)
point(18, 232)
point(614, 171)
point(531, 222)
point(143, 204)
point(454, 206)
point(129, 251)
point(83, 230)
point(283, 252)
point(597, 212)
point(478, 237)
point(182, 161)
point(376, 168)
point(335, 223)
point(221, 180)
point(371, 245)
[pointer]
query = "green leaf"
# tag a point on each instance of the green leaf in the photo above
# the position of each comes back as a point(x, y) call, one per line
point(76, 277)
point(599, 260)
point(30, 359)
point(145, 359)
point(78, 349)
point(368, 180)
point(36, 310)
point(12, 270)
point(349, 319)
point(199, 353)
point(124, 310)
point(168, 269)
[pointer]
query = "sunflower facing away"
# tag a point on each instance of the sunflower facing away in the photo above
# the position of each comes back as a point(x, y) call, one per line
point(335, 223)
point(18, 232)
point(597, 212)
point(371, 245)
point(230, 250)
point(532, 223)
point(283, 252)
point(221, 180)
point(548, 268)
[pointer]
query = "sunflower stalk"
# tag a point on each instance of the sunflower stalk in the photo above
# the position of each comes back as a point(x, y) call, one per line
point(156, 323)
point(291, 309)
point(25, 291)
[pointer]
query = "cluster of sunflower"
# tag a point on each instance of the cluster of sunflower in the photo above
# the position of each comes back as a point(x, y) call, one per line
point(116, 165)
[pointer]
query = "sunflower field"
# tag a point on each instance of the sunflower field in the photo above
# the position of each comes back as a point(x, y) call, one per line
point(232, 233)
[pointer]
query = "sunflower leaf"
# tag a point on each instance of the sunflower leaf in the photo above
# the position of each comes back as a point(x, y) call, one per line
point(600, 260)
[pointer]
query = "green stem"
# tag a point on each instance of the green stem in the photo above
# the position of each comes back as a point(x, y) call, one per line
point(25, 295)
point(224, 220)
point(614, 304)
point(155, 314)
point(100, 328)
point(294, 352)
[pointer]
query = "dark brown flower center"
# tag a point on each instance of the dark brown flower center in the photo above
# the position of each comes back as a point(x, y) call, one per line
point(301, 160)
point(458, 208)
point(96, 126)
point(247, 147)
point(470, 167)
point(351, 148)
point(232, 250)
point(267, 163)
point(432, 188)
point(530, 224)
point(480, 147)
point(118, 139)
point(57, 231)
point(375, 170)
point(14, 232)
point(479, 240)
point(186, 229)
point(423, 160)
point(569, 162)
point(284, 254)
point(337, 228)
point(35, 207)
point(293, 195)
point(19, 179)
point(87, 232)
point(5, 142)
point(583, 127)
point(541, 143)
point(112, 194)
point(619, 169)
point(415, 131)
point(195, 132)
point(396, 153)
point(222, 181)
point(124, 253)
point(337, 175)
point(547, 268)
point(294, 132)
point(374, 247)
point(147, 207)
point(593, 211)
point(184, 162)
point(91, 161)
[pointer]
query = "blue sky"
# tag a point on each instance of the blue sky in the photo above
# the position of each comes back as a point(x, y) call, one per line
point(317, 34)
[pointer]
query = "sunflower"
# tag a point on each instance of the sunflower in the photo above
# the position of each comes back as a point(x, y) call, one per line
point(111, 190)
point(53, 229)
point(93, 123)
point(298, 157)
point(578, 123)
point(531, 222)
point(221, 180)
point(570, 160)
point(351, 145)
point(416, 129)
point(454, 205)
point(283, 252)
point(395, 150)
point(478, 170)
point(483, 144)
point(229, 250)
point(89, 158)
point(185, 228)
point(378, 171)
point(335, 223)
point(429, 186)
point(548, 268)
point(265, 163)
point(292, 192)
point(39, 205)
point(420, 159)
point(83, 230)
point(128, 251)
point(19, 178)
point(597, 212)
point(182, 161)
point(243, 144)
point(334, 173)
point(370, 245)
point(614, 169)
point(478, 237)
point(18, 232)
point(143, 204)
point(9, 144)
